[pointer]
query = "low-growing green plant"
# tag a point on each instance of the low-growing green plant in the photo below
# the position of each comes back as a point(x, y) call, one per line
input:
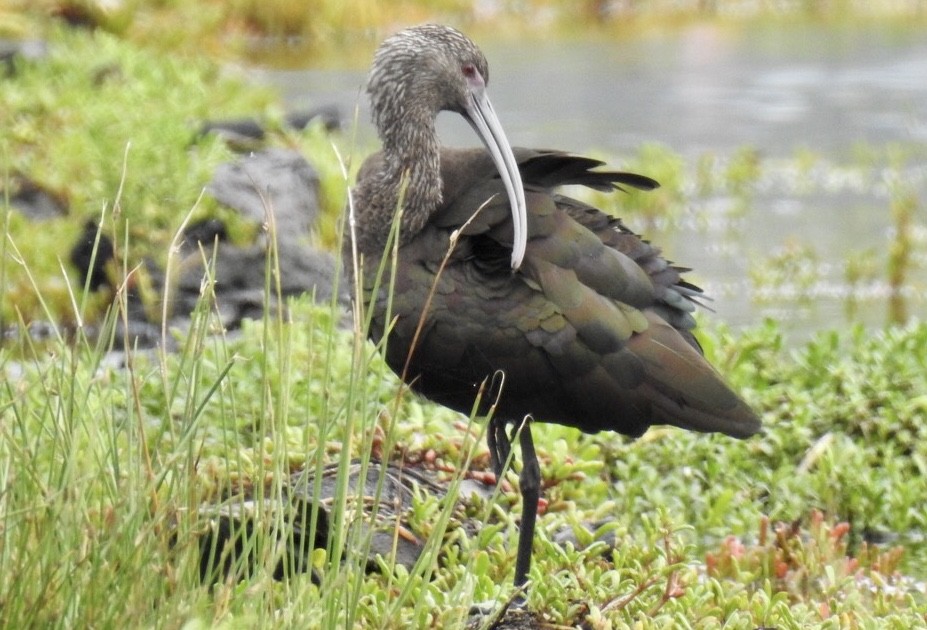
point(658, 209)
point(859, 269)
point(790, 274)
point(904, 207)
point(108, 461)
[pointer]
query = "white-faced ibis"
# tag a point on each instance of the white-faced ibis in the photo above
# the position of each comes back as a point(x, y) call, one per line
point(572, 318)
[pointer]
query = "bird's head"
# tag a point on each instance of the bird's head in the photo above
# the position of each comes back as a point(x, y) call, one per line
point(423, 70)
point(438, 65)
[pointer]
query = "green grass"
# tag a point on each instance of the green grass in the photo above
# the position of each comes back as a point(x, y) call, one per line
point(108, 127)
point(103, 469)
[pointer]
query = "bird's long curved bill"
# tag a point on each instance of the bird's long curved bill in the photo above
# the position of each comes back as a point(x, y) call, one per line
point(481, 116)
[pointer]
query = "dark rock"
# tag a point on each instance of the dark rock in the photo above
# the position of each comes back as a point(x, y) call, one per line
point(12, 50)
point(274, 180)
point(567, 535)
point(511, 619)
point(232, 521)
point(249, 132)
point(33, 200)
point(84, 15)
point(328, 115)
point(240, 134)
point(225, 550)
point(90, 257)
point(205, 232)
point(395, 499)
point(135, 333)
point(278, 181)
point(240, 279)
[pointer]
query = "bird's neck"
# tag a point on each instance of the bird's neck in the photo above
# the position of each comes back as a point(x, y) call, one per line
point(410, 178)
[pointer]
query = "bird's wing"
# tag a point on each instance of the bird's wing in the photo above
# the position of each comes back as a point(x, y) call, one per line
point(592, 331)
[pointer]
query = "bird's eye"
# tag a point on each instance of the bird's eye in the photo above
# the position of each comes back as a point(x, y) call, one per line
point(469, 70)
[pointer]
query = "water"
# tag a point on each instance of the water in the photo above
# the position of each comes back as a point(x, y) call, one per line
point(706, 89)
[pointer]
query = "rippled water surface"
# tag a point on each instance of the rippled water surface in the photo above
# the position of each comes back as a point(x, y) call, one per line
point(706, 90)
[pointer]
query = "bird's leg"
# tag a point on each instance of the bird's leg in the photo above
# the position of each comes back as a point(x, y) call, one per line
point(500, 446)
point(530, 481)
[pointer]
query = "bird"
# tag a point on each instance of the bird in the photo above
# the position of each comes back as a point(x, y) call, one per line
point(507, 296)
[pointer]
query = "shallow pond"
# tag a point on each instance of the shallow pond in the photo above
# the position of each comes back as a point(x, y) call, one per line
point(787, 91)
